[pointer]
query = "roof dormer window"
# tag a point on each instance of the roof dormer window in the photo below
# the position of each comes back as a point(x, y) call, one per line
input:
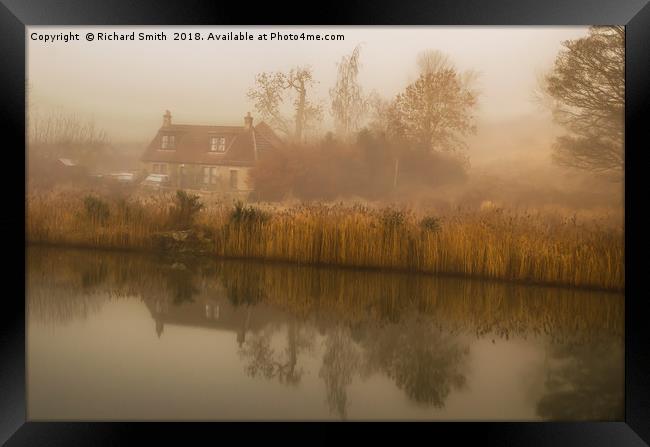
point(168, 142)
point(217, 144)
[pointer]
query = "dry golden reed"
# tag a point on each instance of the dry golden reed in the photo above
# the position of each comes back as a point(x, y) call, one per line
point(517, 246)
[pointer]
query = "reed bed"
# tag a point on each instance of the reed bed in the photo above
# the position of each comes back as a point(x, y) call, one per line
point(499, 244)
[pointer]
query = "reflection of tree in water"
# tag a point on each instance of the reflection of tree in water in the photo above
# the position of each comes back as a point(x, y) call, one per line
point(423, 361)
point(340, 362)
point(586, 382)
point(267, 362)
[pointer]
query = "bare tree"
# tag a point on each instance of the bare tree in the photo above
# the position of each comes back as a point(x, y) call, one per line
point(433, 61)
point(56, 135)
point(274, 92)
point(587, 88)
point(380, 110)
point(348, 102)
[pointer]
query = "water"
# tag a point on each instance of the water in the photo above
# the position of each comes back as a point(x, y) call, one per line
point(113, 336)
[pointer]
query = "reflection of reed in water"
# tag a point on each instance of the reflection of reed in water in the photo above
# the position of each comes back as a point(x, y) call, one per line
point(345, 295)
point(67, 284)
point(455, 304)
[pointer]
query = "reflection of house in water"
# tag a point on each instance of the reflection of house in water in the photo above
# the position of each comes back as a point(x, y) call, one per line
point(212, 313)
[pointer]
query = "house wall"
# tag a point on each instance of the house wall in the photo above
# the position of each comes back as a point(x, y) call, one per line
point(191, 176)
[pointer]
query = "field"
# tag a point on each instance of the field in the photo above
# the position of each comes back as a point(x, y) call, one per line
point(532, 246)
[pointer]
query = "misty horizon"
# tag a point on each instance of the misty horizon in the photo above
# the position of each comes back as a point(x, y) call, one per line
point(125, 87)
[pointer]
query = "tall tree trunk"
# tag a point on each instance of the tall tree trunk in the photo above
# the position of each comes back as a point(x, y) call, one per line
point(300, 110)
point(396, 173)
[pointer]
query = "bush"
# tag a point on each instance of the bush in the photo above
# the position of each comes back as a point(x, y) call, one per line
point(332, 169)
point(392, 219)
point(96, 209)
point(431, 224)
point(422, 168)
point(247, 214)
point(273, 177)
point(185, 208)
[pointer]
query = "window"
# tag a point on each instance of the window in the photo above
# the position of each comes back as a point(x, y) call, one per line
point(168, 142)
point(217, 144)
point(210, 176)
point(233, 179)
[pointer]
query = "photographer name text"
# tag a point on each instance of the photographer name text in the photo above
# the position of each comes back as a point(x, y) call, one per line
point(231, 36)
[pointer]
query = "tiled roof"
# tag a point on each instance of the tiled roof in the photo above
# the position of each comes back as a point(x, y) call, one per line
point(192, 144)
point(265, 137)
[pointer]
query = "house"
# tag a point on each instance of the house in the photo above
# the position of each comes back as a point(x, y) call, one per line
point(210, 158)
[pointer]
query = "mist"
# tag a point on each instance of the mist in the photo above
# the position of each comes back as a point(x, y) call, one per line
point(347, 222)
point(124, 87)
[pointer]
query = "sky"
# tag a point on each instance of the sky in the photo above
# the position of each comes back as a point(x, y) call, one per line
point(126, 86)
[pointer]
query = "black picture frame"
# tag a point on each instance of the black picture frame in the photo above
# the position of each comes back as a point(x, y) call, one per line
point(15, 15)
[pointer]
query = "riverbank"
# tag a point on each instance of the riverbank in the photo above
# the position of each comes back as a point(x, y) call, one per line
point(529, 247)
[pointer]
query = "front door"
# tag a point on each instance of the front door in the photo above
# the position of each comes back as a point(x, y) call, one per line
point(233, 179)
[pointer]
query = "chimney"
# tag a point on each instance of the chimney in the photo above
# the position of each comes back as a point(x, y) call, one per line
point(248, 121)
point(167, 119)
